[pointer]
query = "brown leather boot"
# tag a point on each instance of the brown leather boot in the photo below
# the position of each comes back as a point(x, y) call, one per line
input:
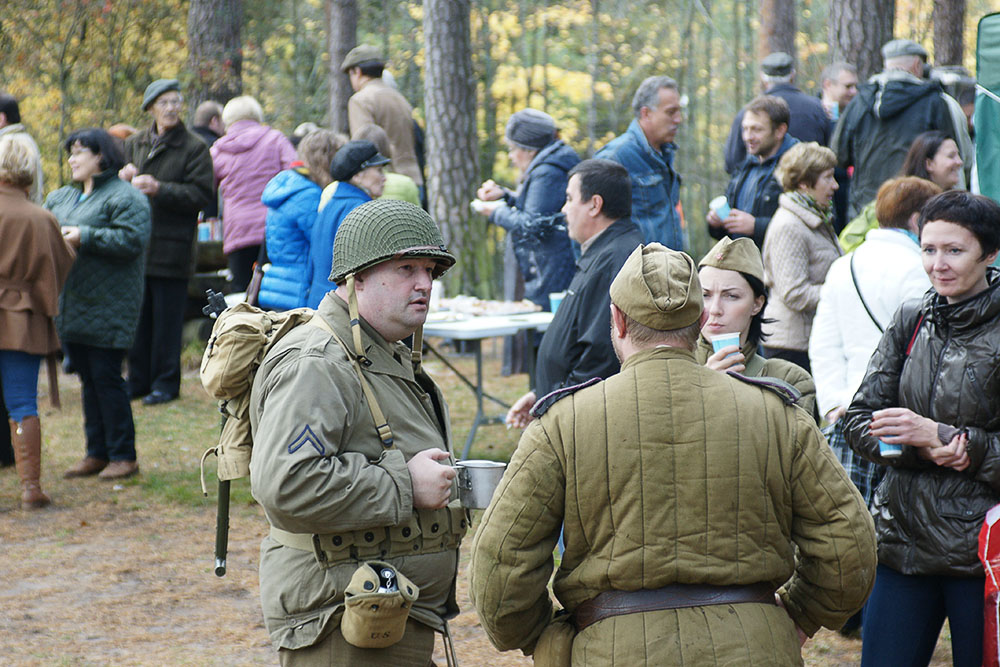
point(27, 439)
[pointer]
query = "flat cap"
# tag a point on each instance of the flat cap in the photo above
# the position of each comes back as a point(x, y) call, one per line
point(778, 63)
point(353, 157)
point(156, 89)
point(735, 255)
point(531, 128)
point(903, 47)
point(361, 55)
point(659, 288)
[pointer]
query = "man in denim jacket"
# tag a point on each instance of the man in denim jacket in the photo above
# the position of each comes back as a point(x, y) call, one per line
point(646, 149)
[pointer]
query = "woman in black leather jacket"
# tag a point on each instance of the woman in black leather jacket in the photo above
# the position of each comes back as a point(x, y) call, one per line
point(933, 386)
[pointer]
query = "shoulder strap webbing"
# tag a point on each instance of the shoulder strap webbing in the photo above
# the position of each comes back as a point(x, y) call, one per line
point(381, 423)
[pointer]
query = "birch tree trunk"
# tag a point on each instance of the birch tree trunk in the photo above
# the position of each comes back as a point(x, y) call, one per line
point(215, 51)
point(857, 31)
point(341, 37)
point(450, 104)
point(949, 32)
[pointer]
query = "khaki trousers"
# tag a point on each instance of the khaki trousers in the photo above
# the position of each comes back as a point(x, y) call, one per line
point(415, 648)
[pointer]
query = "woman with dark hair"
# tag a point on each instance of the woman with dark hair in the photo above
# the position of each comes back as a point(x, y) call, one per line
point(108, 222)
point(732, 282)
point(34, 261)
point(932, 156)
point(799, 247)
point(929, 410)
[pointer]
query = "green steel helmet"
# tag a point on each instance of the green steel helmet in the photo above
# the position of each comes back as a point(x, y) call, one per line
point(385, 229)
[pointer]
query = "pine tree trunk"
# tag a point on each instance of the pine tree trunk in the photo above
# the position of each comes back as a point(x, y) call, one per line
point(949, 31)
point(341, 37)
point(215, 51)
point(450, 104)
point(858, 29)
point(777, 27)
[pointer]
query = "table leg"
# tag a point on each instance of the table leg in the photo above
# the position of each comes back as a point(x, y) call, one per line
point(478, 351)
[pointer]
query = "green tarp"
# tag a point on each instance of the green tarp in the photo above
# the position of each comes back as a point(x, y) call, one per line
point(987, 114)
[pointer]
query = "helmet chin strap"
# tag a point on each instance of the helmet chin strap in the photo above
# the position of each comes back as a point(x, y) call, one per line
point(352, 305)
point(359, 350)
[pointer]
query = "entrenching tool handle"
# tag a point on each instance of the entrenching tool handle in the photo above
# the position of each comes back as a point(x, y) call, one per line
point(222, 529)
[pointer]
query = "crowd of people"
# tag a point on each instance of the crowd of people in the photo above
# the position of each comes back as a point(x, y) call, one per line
point(678, 460)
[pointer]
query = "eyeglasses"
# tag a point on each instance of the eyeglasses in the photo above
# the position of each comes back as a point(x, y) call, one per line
point(167, 102)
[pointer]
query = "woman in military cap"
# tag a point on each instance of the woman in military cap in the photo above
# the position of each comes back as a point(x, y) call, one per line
point(732, 280)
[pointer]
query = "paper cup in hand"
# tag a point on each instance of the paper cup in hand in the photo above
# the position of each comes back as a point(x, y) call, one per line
point(555, 298)
point(889, 451)
point(721, 206)
point(725, 340)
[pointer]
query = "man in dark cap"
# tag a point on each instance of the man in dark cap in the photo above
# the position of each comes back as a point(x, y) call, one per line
point(375, 102)
point(706, 521)
point(807, 118)
point(352, 458)
point(647, 150)
point(358, 173)
point(877, 128)
point(173, 168)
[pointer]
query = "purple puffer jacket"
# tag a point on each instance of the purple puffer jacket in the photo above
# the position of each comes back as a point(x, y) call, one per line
point(245, 159)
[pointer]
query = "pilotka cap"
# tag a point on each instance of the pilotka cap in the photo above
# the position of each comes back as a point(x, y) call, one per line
point(384, 229)
point(735, 255)
point(659, 288)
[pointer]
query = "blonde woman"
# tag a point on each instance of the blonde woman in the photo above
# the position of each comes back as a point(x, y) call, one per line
point(799, 247)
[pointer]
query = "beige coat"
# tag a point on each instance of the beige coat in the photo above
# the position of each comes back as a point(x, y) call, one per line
point(318, 467)
point(670, 472)
point(34, 263)
point(798, 251)
point(378, 104)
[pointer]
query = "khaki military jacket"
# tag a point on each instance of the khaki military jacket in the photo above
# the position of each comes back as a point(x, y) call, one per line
point(758, 366)
point(670, 472)
point(318, 467)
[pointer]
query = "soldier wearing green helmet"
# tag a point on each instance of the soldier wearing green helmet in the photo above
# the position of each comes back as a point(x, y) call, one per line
point(352, 450)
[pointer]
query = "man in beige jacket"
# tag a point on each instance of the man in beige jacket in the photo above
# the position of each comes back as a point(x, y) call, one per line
point(684, 492)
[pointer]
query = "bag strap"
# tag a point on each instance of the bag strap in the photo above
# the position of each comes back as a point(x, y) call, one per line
point(868, 310)
point(913, 338)
point(381, 423)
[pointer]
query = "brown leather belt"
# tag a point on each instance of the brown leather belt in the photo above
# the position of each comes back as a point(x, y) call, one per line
point(675, 596)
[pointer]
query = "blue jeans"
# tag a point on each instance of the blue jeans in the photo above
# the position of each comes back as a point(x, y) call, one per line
point(904, 615)
point(19, 375)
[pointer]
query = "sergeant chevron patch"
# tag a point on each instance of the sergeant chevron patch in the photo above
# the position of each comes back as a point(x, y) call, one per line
point(304, 437)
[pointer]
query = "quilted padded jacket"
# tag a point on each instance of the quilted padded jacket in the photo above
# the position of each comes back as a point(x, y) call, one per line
point(100, 302)
point(927, 517)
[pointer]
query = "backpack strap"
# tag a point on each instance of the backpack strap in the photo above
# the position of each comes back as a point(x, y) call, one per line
point(381, 423)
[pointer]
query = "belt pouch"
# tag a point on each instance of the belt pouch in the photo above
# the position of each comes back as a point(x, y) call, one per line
point(555, 645)
point(374, 619)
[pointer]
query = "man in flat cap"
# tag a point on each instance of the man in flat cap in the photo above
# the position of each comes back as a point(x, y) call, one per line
point(376, 103)
point(172, 167)
point(352, 458)
point(685, 494)
point(807, 118)
point(877, 128)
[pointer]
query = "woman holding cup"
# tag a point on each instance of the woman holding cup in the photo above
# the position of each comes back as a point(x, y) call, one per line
point(732, 282)
point(932, 389)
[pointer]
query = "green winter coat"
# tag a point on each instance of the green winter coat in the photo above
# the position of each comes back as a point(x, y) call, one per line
point(100, 303)
point(670, 472)
point(180, 161)
point(318, 467)
point(758, 366)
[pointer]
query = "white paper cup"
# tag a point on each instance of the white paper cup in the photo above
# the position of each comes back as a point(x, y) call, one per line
point(720, 341)
point(721, 206)
point(889, 451)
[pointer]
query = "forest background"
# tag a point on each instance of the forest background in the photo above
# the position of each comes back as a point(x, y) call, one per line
point(464, 65)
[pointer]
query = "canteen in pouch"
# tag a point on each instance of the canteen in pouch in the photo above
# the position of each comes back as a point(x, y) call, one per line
point(377, 603)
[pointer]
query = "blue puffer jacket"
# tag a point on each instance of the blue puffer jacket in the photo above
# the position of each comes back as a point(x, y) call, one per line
point(536, 227)
point(291, 199)
point(345, 199)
